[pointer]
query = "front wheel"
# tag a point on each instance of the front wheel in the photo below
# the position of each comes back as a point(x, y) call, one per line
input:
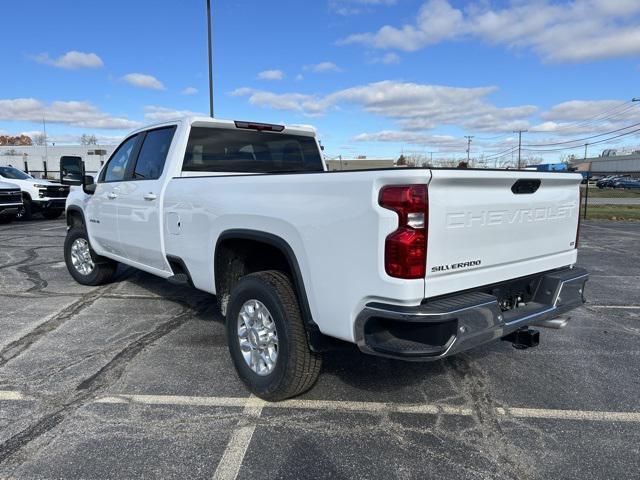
point(25, 212)
point(267, 339)
point(84, 265)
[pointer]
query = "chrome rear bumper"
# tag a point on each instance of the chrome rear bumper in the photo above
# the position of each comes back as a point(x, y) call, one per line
point(454, 324)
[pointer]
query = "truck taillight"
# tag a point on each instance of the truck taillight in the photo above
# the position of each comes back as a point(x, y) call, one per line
point(405, 250)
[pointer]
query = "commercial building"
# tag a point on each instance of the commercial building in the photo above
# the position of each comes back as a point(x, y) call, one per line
point(38, 159)
point(611, 164)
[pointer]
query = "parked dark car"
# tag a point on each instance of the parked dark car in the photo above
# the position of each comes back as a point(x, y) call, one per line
point(607, 182)
point(627, 183)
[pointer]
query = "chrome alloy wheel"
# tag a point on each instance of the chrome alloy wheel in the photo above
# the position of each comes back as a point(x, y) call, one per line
point(81, 256)
point(258, 337)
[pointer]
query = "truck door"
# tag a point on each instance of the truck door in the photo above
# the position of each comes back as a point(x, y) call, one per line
point(102, 210)
point(139, 201)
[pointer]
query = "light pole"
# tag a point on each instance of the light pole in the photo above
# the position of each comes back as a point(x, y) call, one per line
point(210, 59)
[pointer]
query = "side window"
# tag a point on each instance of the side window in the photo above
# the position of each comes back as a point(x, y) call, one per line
point(153, 154)
point(117, 167)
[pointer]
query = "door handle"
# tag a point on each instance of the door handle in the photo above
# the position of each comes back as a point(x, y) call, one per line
point(112, 195)
point(149, 196)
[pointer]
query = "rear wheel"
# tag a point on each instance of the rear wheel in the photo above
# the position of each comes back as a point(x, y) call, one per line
point(51, 214)
point(82, 262)
point(7, 218)
point(267, 339)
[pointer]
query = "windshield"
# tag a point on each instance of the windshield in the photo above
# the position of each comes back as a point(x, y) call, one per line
point(229, 150)
point(14, 173)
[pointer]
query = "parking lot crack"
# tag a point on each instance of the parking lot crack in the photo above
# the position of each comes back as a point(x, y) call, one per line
point(93, 386)
point(17, 347)
point(473, 383)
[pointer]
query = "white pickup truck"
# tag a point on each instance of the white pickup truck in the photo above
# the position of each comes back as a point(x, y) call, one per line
point(37, 195)
point(10, 201)
point(413, 264)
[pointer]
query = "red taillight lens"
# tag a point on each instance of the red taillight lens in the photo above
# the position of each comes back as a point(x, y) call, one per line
point(405, 250)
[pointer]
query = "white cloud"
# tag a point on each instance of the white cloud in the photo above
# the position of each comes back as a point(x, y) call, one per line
point(415, 109)
point(323, 67)
point(415, 106)
point(299, 77)
point(299, 102)
point(189, 91)
point(437, 21)
point(414, 138)
point(569, 32)
point(71, 60)
point(583, 117)
point(141, 80)
point(271, 75)
point(77, 114)
point(156, 114)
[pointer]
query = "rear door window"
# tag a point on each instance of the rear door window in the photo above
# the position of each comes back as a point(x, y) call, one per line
point(153, 154)
point(241, 151)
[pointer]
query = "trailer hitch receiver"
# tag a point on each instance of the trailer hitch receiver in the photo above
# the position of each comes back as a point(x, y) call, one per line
point(523, 338)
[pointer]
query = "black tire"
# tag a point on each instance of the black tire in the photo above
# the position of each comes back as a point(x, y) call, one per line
point(104, 268)
point(297, 367)
point(51, 214)
point(7, 219)
point(26, 212)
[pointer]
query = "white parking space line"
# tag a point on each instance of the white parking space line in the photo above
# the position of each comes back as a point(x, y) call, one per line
point(175, 400)
point(253, 407)
point(620, 307)
point(11, 395)
point(590, 415)
point(233, 455)
point(53, 228)
point(375, 407)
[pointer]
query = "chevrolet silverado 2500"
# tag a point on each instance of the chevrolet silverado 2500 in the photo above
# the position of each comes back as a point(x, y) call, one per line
point(413, 264)
point(10, 201)
point(37, 195)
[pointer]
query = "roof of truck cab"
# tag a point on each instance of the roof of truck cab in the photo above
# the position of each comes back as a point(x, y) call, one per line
point(201, 121)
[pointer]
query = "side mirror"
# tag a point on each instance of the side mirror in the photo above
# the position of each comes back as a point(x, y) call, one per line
point(88, 184)
point(71, 170)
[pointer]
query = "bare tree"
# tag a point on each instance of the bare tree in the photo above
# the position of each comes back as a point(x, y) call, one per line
point(39, 139)
point(88, 139)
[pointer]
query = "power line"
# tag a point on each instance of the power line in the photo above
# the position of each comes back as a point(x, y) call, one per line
point(580, 139)
point(502, 154)
point(580, 146)
point(600, 117)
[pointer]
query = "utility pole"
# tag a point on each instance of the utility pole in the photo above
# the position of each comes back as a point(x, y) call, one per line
point(519, 132)
point(468, 137)
point(586, 192)
point(210, 59)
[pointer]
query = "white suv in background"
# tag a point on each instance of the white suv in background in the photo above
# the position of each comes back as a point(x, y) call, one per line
point(37, 195)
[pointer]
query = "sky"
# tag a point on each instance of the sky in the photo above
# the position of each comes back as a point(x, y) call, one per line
point(374, 77)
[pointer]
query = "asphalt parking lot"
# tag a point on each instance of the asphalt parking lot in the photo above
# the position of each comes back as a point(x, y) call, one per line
point(133, 379)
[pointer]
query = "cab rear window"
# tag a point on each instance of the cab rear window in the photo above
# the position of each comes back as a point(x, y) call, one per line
point(241, 151)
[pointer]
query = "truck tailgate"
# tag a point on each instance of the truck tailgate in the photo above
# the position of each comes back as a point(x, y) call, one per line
point(490, 226)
